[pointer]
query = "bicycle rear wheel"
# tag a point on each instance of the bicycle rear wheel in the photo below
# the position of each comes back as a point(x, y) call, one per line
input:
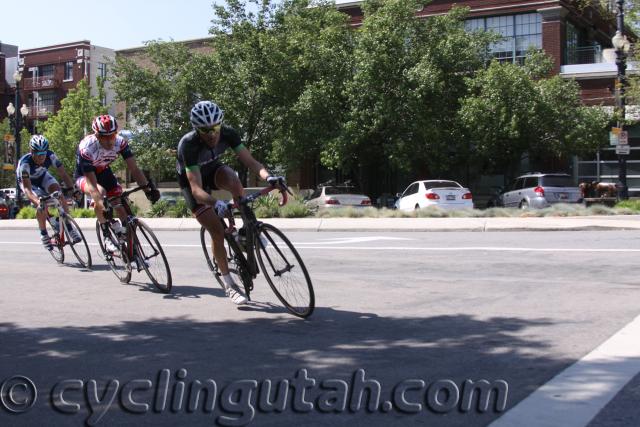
point(235, 260)
point(118, 261)
point(80, 249)
point(154, 261)
point(58, 247)
point(284, 270)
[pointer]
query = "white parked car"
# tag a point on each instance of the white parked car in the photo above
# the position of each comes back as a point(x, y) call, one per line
point(444, 194)
point(335, 196)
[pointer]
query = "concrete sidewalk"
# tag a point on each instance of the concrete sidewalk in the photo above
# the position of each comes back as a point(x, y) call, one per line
point(618, 222)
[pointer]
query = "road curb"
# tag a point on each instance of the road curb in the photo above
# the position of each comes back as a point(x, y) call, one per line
point(627, 222)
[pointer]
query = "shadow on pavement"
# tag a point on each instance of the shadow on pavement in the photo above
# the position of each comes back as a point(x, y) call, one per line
point(333, 344)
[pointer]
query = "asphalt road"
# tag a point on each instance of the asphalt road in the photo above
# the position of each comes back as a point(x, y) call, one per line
point(393, 309)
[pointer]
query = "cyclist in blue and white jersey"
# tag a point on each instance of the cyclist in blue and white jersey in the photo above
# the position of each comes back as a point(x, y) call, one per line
point(36, 181)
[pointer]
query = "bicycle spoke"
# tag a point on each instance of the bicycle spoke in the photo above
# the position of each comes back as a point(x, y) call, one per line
point(152, 257)
point(284, 270)
point(56, 240)
point(118, 261)
point(80, 249)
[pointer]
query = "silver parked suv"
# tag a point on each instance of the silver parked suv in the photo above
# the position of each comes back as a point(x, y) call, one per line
point(540, 190)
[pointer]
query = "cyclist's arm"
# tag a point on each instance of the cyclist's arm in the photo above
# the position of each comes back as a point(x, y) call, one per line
point(137, 174)
point(195, 181)
point(65, 176)
point(28, 190)
point(251, 163)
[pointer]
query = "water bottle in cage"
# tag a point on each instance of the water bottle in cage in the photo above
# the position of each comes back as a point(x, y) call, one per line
point(118, 229)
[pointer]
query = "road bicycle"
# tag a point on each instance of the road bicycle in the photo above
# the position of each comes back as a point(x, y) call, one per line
point(266, 249)
point(136, 243)
point(59, 224)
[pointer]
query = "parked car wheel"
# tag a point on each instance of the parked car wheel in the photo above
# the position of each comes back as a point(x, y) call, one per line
point(524, 205)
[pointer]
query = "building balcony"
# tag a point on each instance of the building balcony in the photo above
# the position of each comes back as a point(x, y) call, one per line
point(40, 83)
point(591, 63)
point(41, 112)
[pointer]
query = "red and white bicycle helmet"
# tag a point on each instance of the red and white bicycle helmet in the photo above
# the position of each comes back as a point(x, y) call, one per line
point(105, 125)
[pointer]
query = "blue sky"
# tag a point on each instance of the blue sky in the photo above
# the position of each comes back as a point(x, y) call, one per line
point(115, 24)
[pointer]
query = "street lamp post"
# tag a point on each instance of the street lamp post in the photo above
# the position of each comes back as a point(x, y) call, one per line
point(621, 46)
point(16, 119)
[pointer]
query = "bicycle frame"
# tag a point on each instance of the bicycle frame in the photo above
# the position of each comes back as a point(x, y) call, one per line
point(131, 221)
point(52, 201)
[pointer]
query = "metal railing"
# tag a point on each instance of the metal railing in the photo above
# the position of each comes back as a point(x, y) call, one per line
point(40, 83)
point(41, 111)
point(584, 55)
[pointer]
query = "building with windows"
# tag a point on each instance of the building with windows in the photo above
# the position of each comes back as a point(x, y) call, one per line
point(8, 64)
point(49, 72)
point(576, 35)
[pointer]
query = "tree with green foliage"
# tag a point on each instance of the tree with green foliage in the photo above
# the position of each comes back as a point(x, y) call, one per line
point(277, 72)
point(406, 89)
point(512, 110)
point(72, 122)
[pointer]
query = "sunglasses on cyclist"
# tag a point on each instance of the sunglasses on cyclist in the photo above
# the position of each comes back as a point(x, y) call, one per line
point(212, 129)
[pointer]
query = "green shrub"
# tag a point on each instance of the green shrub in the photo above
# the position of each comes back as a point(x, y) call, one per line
point(159, 209)
point(180, 209)
point(28, 212)
point(83, 213)
point(633, 205)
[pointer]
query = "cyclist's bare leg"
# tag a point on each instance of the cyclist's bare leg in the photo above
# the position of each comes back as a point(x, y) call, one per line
point(226, 179)
point(210, 221)
point(99, 213)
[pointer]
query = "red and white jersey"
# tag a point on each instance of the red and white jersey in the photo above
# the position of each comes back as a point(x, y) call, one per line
point(92, 157)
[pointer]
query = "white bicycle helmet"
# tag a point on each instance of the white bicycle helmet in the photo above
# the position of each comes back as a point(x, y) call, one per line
point(206, 114)
point(39, 143)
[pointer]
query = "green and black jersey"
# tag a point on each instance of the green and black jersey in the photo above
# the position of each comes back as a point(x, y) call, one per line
point(195, 154)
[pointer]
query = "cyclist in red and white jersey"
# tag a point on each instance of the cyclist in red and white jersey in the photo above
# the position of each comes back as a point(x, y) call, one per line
point(94, 176)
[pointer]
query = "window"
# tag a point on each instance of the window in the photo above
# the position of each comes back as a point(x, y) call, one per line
point(413, 189)
point(68, 71)
point(47, 70)
point(530, 182)
point(102, 70)
point(46, 101)
point(519, 32)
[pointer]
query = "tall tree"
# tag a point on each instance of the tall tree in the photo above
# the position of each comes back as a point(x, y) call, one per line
point(68, 126)
point(512, 110)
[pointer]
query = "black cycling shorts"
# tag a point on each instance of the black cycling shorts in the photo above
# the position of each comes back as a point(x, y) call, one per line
point(208, 184)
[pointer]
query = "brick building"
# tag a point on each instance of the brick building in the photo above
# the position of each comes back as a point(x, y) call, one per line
point(49, 72)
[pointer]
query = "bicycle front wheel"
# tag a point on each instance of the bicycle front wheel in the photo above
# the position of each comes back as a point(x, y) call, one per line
point(154, 261)
point(80, 249)
point(284, 270)
point(58, 247)
point(118, 261)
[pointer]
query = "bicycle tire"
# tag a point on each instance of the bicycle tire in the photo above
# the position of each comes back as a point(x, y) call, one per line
point(236, 261)
point(82, 246)
point(58, 248)
point(160, 264)
point(119, 263)
point(275, 264)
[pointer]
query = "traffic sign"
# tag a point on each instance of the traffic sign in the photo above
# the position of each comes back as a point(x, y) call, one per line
point(614, 138)
point(623, 149)
point(623, 138)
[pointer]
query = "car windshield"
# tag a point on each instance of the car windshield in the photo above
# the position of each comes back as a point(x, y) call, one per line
point(441, 184)
point(339, 190)
point(557, 181)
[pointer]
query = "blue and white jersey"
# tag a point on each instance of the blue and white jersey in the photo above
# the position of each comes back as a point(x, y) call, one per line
point(27, 167)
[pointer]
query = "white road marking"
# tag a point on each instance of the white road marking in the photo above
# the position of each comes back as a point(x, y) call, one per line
point(310, 245)
point(576, 395)
point(345, 240)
